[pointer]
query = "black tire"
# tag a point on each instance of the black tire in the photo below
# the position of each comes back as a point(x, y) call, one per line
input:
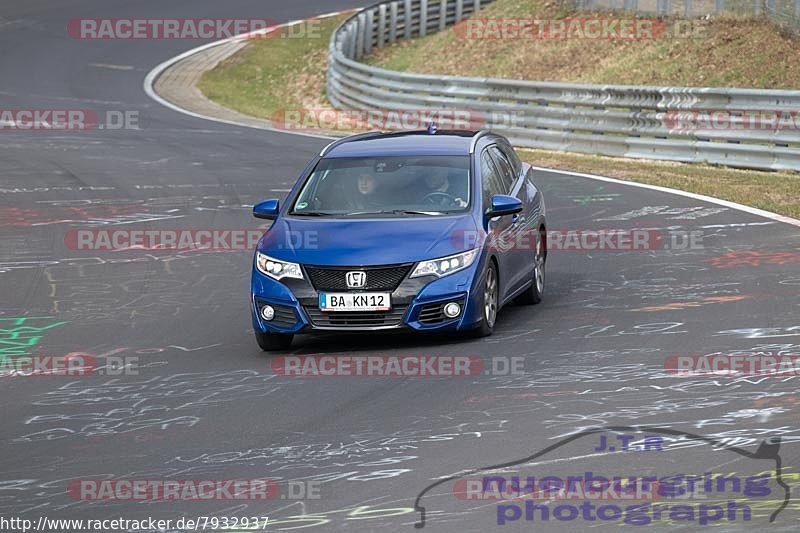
point(534, 294)
point(270, 342)
point(489, 301)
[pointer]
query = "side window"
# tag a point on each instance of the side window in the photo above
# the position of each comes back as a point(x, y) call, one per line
point(490, 179)
point(507, 175)
point(513, 158)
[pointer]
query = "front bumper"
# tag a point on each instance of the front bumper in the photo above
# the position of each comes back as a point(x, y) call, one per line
point(416, 305)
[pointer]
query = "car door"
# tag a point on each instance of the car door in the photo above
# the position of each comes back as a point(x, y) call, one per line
point(519, 255)
point(499, 229)
point(533, 215)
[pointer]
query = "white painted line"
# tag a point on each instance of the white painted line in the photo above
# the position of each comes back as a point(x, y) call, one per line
point(701, 197)
point(110, 66)
point(151, 77)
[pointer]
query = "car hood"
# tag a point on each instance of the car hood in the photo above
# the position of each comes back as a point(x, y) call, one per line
point(368, 241)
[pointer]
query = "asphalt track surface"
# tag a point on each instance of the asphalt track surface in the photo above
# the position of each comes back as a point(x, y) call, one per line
point(206, 403)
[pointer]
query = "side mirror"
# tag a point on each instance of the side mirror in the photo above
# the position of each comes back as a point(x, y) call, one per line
point(267, 209)
point(503, 205)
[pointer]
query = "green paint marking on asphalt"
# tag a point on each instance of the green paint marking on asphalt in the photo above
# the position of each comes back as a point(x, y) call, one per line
point(18, 335)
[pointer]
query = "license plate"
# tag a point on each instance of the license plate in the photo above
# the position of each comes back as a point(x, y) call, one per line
point(354, 301)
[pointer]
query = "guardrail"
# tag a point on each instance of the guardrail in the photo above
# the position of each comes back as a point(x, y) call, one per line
point(749, 128)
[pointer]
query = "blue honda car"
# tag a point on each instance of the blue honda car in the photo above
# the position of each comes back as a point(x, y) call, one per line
point(417, 230)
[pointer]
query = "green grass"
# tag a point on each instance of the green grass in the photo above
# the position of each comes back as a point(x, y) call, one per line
point(273, 75)
point(729, 51)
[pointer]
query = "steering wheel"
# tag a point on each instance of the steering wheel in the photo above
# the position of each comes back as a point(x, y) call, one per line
point(439, 198)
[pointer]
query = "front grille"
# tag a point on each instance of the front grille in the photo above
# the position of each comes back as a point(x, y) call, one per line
point(285, 316)
point(355, 319)
point(432, 313)
point(378, 278)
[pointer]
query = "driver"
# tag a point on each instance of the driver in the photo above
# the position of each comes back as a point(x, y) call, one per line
point(365, 196)
point(438, 182)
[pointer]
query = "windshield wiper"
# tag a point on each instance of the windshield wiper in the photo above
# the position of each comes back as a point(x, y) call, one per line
point(396, 212)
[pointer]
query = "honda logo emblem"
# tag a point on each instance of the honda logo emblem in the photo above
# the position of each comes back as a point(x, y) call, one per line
point(356, 279)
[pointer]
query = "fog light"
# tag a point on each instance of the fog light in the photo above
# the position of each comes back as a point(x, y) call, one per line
point(267, 312)
point(452, 310)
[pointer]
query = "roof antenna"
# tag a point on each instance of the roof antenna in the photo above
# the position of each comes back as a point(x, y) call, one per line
point(431, 127)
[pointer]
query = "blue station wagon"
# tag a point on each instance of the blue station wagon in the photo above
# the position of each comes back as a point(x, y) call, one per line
point(418, 230)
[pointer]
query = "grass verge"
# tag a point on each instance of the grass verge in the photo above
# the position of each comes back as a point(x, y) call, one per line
point(721, 51)
point(274, 75)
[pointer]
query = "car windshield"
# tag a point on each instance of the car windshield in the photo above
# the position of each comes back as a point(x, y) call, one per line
point(398, 185)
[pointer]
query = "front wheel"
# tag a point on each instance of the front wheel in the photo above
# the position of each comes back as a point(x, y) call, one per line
point(270, 342)
point(489, 301)
point(534, 293)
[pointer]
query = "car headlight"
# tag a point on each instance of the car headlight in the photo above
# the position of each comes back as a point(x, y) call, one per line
point(277, 269)
point(445, 265)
